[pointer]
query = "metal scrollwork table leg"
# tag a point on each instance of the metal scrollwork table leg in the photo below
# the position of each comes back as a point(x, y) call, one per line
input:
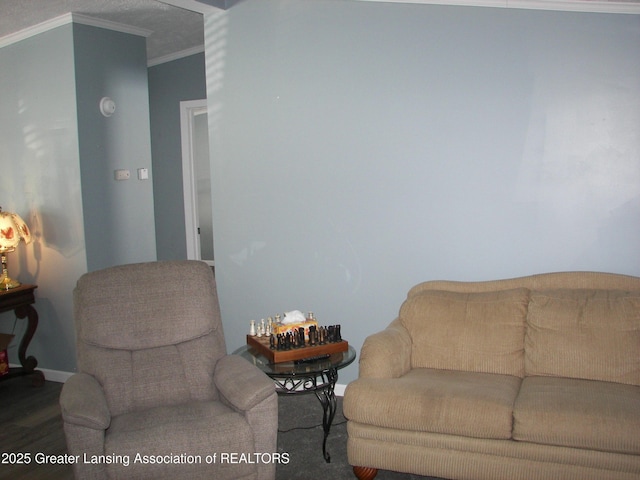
point(317, 375)
point(327, 397)
point(323, 386)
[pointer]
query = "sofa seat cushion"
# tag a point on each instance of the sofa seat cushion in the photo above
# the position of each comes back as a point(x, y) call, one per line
point(588, 334)
point(441, 401)
point(194, 429)
point(578, 413)
point(473, 332)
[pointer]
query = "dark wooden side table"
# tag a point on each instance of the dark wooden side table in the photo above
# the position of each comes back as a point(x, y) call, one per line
point(317, 377)
point(21, 300)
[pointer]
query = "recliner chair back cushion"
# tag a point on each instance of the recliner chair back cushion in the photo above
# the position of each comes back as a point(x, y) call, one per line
point(587, 334)
point(473, 332)
point(146, 336)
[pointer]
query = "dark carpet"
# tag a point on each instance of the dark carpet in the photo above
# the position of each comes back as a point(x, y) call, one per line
point(300, 435)
point(30, 422)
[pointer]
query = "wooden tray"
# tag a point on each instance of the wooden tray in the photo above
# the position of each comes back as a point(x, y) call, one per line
point(277, 356)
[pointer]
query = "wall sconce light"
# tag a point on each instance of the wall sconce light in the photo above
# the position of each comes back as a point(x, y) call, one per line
point(107, 106)
point(12, 230)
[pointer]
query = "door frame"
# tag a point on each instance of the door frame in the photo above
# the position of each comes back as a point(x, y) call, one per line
point(188, 110)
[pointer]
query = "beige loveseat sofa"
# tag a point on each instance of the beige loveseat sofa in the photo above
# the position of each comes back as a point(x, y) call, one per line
point(529, 378)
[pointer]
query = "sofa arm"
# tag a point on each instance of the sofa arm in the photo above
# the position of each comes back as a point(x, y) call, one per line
point(83, 403)
point(386, 354)
point(241, 384)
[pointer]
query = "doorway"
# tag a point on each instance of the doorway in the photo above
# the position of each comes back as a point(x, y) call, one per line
point(196, 179)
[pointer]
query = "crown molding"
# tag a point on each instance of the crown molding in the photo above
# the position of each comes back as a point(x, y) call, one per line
point(109, 25)
point(175, 56)
point(35, 30)
point(594, 6)
point(198, 6)
point(66, 19)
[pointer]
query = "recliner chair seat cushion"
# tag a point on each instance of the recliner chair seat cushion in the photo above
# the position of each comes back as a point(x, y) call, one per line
point(195, 429)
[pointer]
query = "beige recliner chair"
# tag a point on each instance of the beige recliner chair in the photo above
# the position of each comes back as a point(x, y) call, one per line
point(156, 395)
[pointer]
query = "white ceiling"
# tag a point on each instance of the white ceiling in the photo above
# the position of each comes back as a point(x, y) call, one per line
point(173, 28)
point(176, 26)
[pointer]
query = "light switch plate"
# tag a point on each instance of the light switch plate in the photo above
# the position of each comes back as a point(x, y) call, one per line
point(143, 174)
point(122, 174)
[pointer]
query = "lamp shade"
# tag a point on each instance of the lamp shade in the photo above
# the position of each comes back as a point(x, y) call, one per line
point(12, 230)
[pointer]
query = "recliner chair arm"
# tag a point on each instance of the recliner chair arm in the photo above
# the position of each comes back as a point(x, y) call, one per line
point(386, 354)
point(243, 385)
point(83, 403)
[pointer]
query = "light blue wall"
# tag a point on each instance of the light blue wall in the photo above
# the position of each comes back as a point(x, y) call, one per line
point(58, 154)
point(118, 215)
point(169, 84)
point(359, 148)
point(41, 182)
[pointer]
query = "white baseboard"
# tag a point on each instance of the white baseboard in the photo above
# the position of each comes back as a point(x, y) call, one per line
point(339, 390)
point(51, 375)
point(55, 375)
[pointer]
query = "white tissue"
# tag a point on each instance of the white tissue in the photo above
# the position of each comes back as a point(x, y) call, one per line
point(295, 316)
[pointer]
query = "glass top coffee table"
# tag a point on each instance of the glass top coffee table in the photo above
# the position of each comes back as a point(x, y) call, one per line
point(318, 377)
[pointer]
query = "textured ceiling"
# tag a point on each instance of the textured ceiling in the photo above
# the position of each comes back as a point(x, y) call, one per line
point(173, 29)
point(177, 25)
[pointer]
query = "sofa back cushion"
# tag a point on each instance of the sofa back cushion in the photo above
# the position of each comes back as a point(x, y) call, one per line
point(588, 334)
point(473, 332)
